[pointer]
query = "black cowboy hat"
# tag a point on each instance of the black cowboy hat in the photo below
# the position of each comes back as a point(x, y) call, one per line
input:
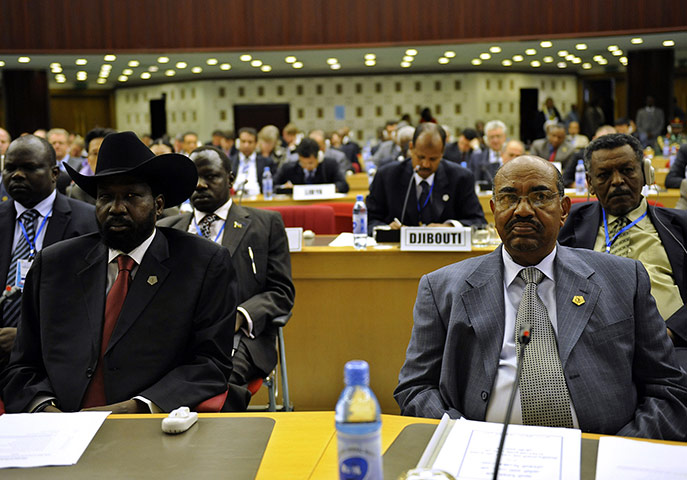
point(174, 175)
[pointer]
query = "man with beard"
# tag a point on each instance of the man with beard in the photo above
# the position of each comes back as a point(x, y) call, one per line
point(133, 319)
point(259, 251)
point(597, 356)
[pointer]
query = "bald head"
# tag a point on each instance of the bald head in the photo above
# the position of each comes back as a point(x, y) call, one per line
point(5, 140)
point(533, 162)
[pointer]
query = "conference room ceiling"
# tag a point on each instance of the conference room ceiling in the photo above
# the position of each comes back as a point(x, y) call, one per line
point(574, 56)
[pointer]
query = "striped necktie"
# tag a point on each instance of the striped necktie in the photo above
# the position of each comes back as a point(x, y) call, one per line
point(621, 245)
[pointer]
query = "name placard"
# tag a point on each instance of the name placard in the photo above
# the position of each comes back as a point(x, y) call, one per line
point(309, 192)
point(294, 235)
point(430, 239)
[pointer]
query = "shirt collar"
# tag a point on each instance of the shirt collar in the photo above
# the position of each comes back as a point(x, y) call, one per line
point(511, 269)
point(222, 212)
point(250, 158)
point(631, 215)
point(419, 179)
point(44, 207)
point(137, 253)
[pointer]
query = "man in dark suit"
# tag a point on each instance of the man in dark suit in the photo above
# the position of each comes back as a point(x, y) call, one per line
point(598, 358)
point(461, 150)
point(162, 337)
point(259, 251)
point(248, 165)
point(47, 216)
point(554, 147)
point(655, 236)
point(312, 167)
point(444, 192)
point(485, 163)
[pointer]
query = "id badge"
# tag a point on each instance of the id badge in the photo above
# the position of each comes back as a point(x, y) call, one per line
point(22, 269)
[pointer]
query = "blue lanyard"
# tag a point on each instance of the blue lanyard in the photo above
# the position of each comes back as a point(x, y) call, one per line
point(31, 243)
point(429, 195)
point(609, 241)
point(201, 233)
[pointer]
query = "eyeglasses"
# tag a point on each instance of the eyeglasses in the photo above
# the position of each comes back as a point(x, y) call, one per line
point(539, 199)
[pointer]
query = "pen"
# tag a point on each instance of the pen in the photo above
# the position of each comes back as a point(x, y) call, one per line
point(252, 260)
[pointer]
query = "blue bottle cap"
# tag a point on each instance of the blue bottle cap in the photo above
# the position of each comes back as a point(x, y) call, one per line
point(357, 372)
point(359, 198)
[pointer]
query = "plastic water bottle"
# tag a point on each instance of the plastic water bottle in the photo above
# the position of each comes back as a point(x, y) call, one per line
point(580, 180)
point(267, 186)
point(358, 426)
point(359, 223)
point(666, 148)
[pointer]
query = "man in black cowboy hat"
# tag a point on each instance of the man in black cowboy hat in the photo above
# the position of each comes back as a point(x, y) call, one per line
point(135, 318)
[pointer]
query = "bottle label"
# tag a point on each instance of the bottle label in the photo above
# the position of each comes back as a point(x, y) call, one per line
point(360, 456)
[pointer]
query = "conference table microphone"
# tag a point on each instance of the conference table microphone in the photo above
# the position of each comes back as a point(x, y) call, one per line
point(242, 189)
point(410, 184)
point(524, 336)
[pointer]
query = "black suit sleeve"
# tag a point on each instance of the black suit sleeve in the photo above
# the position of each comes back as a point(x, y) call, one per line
point(676, 175)
point(376, 202)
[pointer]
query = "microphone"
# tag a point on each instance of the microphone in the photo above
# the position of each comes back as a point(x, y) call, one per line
point(9, 293)
point(242, 189)
point(524, 336)
point(405, 202)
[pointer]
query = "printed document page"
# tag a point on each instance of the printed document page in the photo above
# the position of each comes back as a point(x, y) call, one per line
point(635, 460)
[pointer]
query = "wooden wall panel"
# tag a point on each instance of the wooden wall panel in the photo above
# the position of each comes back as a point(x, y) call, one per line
point(118, 25)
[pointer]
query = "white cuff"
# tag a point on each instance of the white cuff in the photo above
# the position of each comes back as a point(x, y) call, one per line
point(248, 328)
point(153, 408)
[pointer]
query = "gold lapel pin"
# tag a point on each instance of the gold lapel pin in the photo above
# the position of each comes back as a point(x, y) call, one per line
point(578, 300)
point(237, 224)
point(445, 197)
point(152, 280)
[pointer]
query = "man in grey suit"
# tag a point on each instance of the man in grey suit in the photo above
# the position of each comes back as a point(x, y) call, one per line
point(256, 240)
point(616, 364)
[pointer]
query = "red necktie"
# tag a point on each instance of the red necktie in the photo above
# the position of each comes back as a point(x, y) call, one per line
point(95, 393)
point(552, 157)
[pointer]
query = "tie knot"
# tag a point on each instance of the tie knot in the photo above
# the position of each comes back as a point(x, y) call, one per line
point(209, 219)
point(424, 186)
point(29, 216)
point(621, 222)
point(125, 262)
point(531, 275)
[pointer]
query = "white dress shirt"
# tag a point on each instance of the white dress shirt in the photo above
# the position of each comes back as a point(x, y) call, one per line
point(248, 170)
point(44, 209)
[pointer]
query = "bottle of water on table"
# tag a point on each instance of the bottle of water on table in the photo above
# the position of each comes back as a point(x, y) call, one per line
point(580, 179)
point(358, 426)
point(267, 185)
point(359, 223)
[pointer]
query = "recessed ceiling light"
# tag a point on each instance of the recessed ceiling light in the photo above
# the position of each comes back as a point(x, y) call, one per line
point(101, 81)
point(443, 60)
point(127, 71)
point(370, 63)
point(290, 59)
point(535, 63)
point(581, 46)
point(122, 78)
point(449, 54)
point(506, 62)
point(2, 63)
point(146, 75)
point(623, 60)
point(476, 61)
point(134, 63)
point(405, 64)
point(170, 72)
point(55, 64)
point(611, 48)
point(197, 69)
point(569, 57)
point(181, 65)
point(603, 62)
point(110, 58)
point(106, 66)
point(245, 58)
point(335, 66)
point(586, 65)
point(81, 61)
point(60, 79)
point(104, 74)
point(561, 64)
point(408, 58)
point(637, 41)
point(596, 58)
point(266, 68)
point(668, 43)
point(153, 68)
point(530, 51)
point(57, 69)
point(411, 51)
point(518, 58)
point(255, 63)
point(576, 60)
point(212, 61)
point(548, 59)
point(370, 56)
point(495, 49)
point(563, 53)
point(617, 53)
point(162, 59)
point(225, 66)
point(23, 59)
point(332, 61)
point(297, 65)
point(546, 44)
point(485, 56)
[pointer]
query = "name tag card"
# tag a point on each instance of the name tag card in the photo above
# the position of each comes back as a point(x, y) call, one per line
point(440, 239)
point(309, 192)
point(294, 235)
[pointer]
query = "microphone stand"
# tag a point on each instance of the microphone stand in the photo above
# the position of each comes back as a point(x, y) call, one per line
point(524, 335)
point(405, 202)
point(242, 189)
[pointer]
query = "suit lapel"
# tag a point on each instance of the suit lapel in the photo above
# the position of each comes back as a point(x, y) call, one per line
point(587, 225)
point(61, 215)
point(93, 279)
point(8, 216)
point(237, 224)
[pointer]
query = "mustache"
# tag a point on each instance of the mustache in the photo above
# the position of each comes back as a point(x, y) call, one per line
point(117, 222)
point(618, 192)
point(512, 223)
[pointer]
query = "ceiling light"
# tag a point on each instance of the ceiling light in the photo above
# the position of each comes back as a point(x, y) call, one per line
point(449, 54)
point(153, 68)
point(107, 67)
point(81, 61)
point(586, 66)
point(127, 71)
point(57, 69)
point(60, 79)
point(546, 44)
point(485, 56)
point(162, 59)
point(612, 48)
point(623, 60)
point(110, 58)
point(535, 63)
point(122, 78)
point(170, 72)
point(225, 66)
point(255, 63)
point(55, 65)
point(2, 63)
point(495, 49)
point(266, 68)
point(581, 46)
point(569, 57)
point(196, 70)
point(506, 62)
point(561, 64)
point(212, 61)
point(530, 51)
point(408, 58)
point(181, 65)
point(548, 59)
point(596, 58)
point(476, 61)
point(411, 51)
point(603, 62)
point(562, 53)
point(335, 66)
point(146, 75)
point(370, 56)
point(297, 65)
point(245, 58)
point(332, 61)
point(370, 63)
point(134, 63)
point(668, 43)
point(405, 64)
point(518, 58)
point(617, 53)
point(637, 41)
point(443, 60)
point(290, 59)
point(23, 59)
point(101, 81)
point(104, 74)
point(577, 60)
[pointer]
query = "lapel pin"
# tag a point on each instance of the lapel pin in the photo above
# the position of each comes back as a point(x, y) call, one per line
point(152, 280)
point(578, 300)
point(237, 224)
point(445, 197)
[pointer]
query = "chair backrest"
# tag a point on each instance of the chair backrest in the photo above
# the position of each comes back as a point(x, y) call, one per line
point(320, 219)
point(343, 215)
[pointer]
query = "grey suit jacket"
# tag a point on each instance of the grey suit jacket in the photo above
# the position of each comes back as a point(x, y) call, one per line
point(618, 361)
point(564, 154)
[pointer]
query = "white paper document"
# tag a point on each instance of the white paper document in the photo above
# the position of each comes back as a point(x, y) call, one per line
point(345, 239)
point(635, 459)
point(468, 451)
point(44, 439)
